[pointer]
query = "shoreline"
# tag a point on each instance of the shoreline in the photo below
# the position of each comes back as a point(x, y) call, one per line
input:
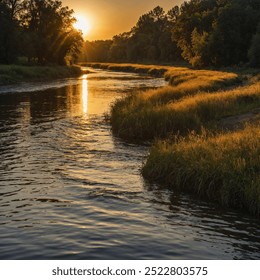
point(204, 112)
point(202, 142)
point(13, 74)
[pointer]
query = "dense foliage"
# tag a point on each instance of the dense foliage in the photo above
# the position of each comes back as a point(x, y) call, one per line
point(217, 32)
point(41, 30)
point(148, 41)
point(202, 32)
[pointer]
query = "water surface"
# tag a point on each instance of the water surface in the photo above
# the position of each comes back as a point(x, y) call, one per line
point(70, 190)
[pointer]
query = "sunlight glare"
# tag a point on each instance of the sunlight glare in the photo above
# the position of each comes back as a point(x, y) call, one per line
point(85, 93)
point(82, 24)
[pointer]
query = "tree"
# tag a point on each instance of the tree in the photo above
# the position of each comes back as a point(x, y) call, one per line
point(96, 51)
point(15, 7)
point(254, 50)
point(150, 39)
point(192, 27)
point(50, 26)
point(200, 48)
point(173, 14)
point(216, 32)
point(8, 34)
point(118, 48)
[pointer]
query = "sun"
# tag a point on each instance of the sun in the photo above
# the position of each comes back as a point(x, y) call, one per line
point(82, 24)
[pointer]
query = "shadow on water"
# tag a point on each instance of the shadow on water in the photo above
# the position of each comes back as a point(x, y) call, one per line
point(70, 190)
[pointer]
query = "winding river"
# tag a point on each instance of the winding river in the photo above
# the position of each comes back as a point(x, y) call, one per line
point(70, 190)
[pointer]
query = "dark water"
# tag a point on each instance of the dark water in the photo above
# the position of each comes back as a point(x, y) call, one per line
point(69, 190)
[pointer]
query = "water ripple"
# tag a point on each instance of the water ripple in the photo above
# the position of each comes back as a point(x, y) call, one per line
point(70, 190)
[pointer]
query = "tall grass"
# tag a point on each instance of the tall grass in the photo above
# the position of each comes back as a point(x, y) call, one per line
point(176, 110)
point(223, 168)
point(206, 80)
point(154, 70)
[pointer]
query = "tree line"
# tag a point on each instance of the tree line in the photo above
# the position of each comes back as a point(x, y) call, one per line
point(40, 30)
point(201, 32)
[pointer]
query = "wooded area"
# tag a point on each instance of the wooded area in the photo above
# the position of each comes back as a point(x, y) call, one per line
point(41, 30)
point(201, 32)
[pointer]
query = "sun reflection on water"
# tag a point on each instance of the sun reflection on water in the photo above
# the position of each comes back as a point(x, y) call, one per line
point(85, 93)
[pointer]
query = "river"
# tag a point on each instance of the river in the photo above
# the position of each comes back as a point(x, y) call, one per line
point(69, 189)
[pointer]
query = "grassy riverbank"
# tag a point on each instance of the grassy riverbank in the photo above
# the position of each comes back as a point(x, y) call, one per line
point(154, 70)
point(224, 168)
point(18, 73)
point(168, 111)
point(197, 154)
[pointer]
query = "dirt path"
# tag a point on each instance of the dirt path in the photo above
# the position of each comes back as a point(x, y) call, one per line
point(239, 121)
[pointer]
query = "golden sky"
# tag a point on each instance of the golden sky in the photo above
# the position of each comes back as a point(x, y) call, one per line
point(111, 17)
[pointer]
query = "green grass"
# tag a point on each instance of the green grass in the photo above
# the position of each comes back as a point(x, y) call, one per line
point(224, 168)
point(18, 73)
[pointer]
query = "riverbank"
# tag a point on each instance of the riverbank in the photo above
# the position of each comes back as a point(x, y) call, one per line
point(223, 167)
point(153, 70)
point(10, 74)
point(207, 146)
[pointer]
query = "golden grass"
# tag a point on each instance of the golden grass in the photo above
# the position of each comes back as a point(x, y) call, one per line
point(197, 99)
point(199, 79)
point(155, 70)
point(206, 80)
point(167, 111)
point(223, 168)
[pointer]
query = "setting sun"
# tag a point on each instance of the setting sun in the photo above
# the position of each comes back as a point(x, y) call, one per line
point(82, 24)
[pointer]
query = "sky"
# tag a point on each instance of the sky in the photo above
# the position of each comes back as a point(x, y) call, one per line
point(107, 18)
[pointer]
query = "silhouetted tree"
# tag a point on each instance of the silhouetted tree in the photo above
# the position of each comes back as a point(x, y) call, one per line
point(97, 51)
point(43, 28)
point(254, 50)
point(148, 41)
point(15, 7)
point(50, 26)
point(8, 34)
point(118, 48)
point(203, 32)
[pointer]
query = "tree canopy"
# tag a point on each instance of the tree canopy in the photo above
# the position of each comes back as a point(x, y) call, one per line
point(202, 32)
point(41, 30)
point(148, 41)
point(216, 32)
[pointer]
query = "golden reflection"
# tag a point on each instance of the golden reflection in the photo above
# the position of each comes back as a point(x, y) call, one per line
point(69, 94)
point(85, 93)
point(26, 118)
